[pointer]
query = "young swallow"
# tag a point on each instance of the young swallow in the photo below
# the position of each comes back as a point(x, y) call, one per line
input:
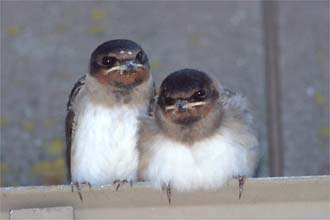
point(200, 136)
point(102, 114)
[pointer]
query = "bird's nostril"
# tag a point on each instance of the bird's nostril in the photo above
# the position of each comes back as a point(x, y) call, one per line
point(181, 105)
point(182, 109)
point(131, 66)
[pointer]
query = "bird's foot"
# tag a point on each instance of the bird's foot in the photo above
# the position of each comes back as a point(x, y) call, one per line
point(78, 187)
point(118, 183)
point(168, 188)
point(241, 181)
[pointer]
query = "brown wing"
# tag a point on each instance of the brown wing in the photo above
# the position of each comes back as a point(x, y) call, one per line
point(148, 131)
point(152, 100)
point(70, 122)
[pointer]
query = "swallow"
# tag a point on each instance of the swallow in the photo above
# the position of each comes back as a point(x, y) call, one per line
point(101, 125)
point(201, 135)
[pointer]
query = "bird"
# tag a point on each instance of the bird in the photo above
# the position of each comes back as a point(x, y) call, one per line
point(201, 135)
point(103, 110)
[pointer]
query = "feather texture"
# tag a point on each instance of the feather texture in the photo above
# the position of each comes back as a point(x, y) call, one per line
point(104, 146)
point(102, 135)
point(70, 121)
point(204, 164)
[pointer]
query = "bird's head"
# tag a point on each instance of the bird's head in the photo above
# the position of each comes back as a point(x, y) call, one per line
point(187, 96)
point(120, 63)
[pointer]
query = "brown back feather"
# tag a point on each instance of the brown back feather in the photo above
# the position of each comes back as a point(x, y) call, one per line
point(70, 122)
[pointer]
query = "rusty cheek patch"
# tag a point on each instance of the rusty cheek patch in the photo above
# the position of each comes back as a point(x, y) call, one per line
point(191, 115)
point(124, 80)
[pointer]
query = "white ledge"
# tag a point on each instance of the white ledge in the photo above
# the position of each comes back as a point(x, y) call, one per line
point(280, 197)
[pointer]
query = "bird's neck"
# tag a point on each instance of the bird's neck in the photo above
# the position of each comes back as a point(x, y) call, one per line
point(110, 96)
point(189, 134)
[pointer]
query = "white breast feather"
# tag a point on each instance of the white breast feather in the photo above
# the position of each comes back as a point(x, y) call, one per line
point(104, 145)
point(206, 165)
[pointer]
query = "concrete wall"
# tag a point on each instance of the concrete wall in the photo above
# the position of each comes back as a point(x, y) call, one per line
point(263, 198)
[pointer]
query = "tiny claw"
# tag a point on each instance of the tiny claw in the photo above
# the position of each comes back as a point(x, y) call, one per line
point(241, 181)
point(119, 183)
point(169, 193)
point(87, 183)
point(80, 196)
point(77, 185)
point(116, 183)
point(78, 190)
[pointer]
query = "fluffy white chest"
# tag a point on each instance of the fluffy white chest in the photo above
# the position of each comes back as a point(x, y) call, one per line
point(206, 165)
point(104, 145)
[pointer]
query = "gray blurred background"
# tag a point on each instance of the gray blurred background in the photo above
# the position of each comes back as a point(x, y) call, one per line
point(45, 48)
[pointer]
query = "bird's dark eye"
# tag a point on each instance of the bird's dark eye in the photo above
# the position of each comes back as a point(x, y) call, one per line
point(141, 57)
point(169, 101)
point(108, 61)
point(200, 94)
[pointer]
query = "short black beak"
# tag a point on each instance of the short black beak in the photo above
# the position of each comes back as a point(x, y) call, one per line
point(181, 105)
point(131, 66)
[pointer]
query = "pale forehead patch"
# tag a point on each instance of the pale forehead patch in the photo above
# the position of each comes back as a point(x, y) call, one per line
point(128, 52)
